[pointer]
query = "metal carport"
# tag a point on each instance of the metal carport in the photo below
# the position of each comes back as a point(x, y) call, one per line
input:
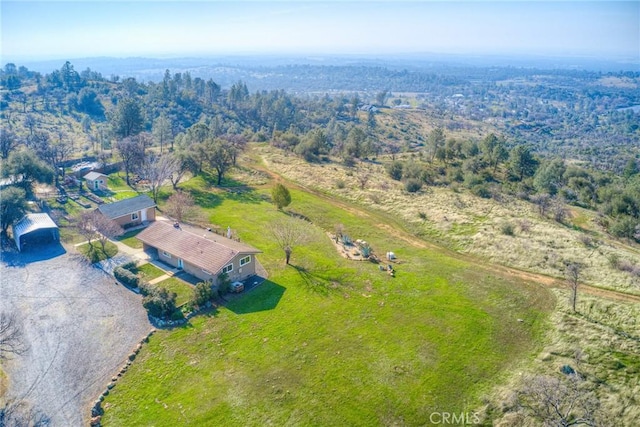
point(35, 227)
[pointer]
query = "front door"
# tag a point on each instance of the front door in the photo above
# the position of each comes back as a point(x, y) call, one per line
point(180, 265)
point(143, 215)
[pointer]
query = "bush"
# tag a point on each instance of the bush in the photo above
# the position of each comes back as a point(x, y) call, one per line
point(614, 260)
point(223, 284)
point(340, 184)
point(346, 240)
point(412, 185)
point(202, 294)
point(160, 303)
point(131, 266)
point(507, 229)
point(366, 251)
point(126, 277)
point(481, 191)
point(394, 170)
point(145, 288)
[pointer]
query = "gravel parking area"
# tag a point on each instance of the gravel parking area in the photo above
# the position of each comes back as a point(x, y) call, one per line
point(79, 326)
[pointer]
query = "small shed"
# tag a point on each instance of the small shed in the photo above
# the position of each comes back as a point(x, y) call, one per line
point(96, 181)
point(35, 228)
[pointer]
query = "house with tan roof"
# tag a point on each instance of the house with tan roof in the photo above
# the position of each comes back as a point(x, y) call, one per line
point(204, 256)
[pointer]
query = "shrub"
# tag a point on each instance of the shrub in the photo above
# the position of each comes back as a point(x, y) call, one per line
point(346, 240)
point(126, 277)
point(160, 303)
point(223, 283)
point(394, 169)
point(614, 260)
point(412, 185)
point(202, 293)
point(507, 229)
point(481, 191)
point(422, 215)
point(366, 251)
point(340, 184)
point(131, 266)
point(145, 288)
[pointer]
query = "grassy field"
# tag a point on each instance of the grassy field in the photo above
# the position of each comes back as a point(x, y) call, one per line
point(328, 341)
point(94, 252)
point(469, 224)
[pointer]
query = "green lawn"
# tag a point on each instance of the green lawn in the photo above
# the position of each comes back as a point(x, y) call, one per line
point(94, 252)
point(149, 271)
point(129, 239)
point(330, 341)
point(183, 290)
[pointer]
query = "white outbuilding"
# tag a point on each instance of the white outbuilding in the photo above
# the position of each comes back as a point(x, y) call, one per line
point(35, 228)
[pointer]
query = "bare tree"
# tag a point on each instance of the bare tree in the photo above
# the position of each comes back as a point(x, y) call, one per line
point(559, 209)
point(363, 179)
point(93, 225)
point(107, 229)
point(85, 225)
point(11, 337)
point(573, 274)
point(54, 153)
point(181, 206)
point(157, 169)
point(131, 152)
point(8, 142)
point(559, 402)
point(288, 234)
point(237, 144)
point(543, 201)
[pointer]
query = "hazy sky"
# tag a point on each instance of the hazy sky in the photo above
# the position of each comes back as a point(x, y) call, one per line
point(54, 29)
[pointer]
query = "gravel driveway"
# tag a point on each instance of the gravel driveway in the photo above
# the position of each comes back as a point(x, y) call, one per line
point(79, 325)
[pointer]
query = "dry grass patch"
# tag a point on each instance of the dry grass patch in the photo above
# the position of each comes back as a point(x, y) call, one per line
point(471, 224)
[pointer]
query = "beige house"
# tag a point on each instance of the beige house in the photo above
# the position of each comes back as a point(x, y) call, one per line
point(96, 181)
point(204, 256)
point(130, 212)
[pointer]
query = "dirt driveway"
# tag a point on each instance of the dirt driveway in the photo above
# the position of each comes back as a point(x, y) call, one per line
point(79, 325)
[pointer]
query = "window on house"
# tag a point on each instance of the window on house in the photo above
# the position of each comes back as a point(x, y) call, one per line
point(134, 216)
point(227, 268)
point(166, 254)
point(245, 260)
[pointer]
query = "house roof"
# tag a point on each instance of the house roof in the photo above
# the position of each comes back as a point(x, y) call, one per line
point(125, 207)
point(92, 176)
point(32, 222)
point(208, 251)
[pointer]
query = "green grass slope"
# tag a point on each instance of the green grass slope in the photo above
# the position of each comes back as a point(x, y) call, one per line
point(329, 341)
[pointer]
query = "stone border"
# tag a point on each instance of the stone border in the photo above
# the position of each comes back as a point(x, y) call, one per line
point(96, 410)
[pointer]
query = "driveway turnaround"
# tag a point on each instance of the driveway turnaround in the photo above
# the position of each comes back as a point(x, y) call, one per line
point(79, 326)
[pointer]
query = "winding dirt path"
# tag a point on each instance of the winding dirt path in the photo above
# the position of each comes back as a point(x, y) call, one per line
point(389, 225)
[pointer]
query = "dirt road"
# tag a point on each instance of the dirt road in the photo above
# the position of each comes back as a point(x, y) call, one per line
point(79, 327)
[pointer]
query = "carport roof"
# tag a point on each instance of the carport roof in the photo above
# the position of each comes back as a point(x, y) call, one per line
point(32, 222)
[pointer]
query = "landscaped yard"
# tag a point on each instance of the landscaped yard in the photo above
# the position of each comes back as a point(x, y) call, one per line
point(183, 290)
point(149, 271)
point(129, 239)
point(95, 253)
point(329, 341)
